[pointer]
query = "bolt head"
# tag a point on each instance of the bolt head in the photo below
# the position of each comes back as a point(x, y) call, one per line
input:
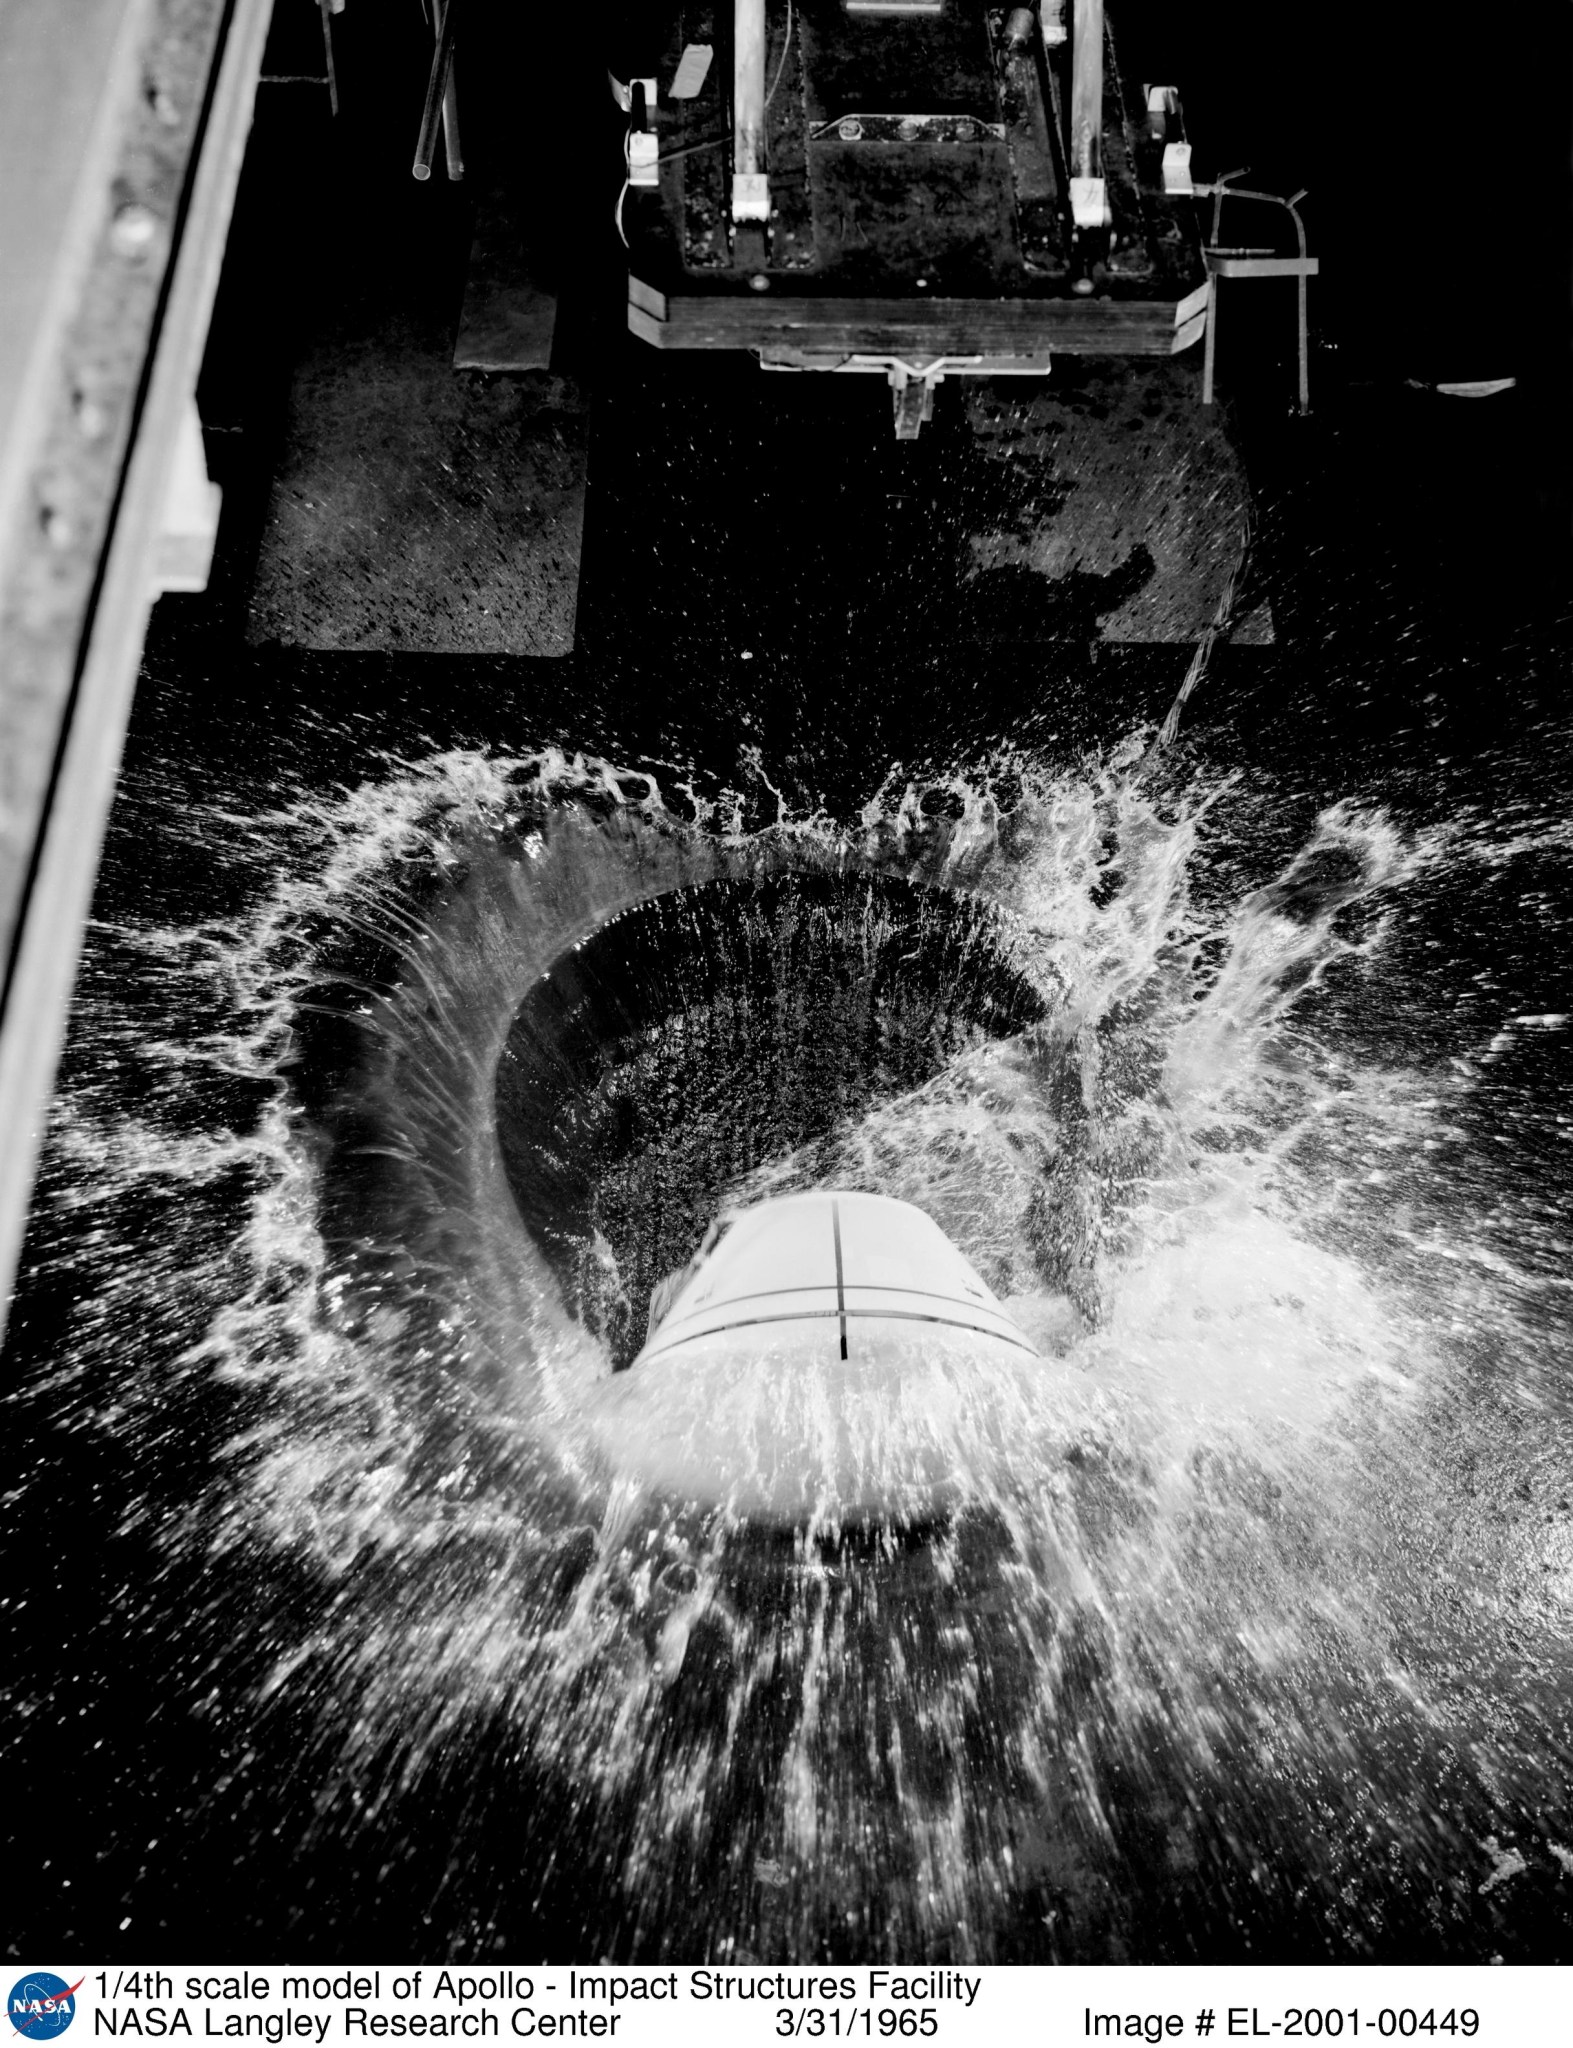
point(133, 229)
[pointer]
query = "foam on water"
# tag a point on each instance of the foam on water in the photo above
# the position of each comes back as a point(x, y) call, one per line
point(1201, 1611)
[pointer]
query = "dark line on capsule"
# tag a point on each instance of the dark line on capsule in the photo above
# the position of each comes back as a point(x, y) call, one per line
point(841, 1292)
point(872, 1315)
point(708, 1307)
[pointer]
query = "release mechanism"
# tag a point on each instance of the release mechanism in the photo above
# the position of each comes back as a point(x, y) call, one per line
point(1089, 203)
point(1177, 168)
point(643, 158)
point(750, 196)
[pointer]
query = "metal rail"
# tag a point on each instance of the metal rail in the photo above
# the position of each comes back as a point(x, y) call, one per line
point(125, 122)
point(1223, 262)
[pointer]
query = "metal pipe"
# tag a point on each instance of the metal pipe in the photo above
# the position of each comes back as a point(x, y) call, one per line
point(1293, 204)
point(436, 87)
point(450, 105)
point(1086, 137)
point(748, 86)
point(331, 72)
point(748, 110)
point(1223, 189)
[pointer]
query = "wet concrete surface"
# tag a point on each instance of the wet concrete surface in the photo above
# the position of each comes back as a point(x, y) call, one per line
point(421, 510)
point(1113, 465)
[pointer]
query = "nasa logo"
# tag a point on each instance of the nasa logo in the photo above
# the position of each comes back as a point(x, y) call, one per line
point(42, 2005)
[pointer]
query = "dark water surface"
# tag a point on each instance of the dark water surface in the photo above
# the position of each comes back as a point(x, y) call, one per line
point(1244, 1070)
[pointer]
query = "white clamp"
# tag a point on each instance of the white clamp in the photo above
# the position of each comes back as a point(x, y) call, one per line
point(750, 195)
point(1177, 167)
point(644, 167)
point(624, 94)
point(1089, 203)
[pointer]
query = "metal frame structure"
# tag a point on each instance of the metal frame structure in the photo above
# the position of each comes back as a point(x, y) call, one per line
point(124, 124)
point(1223, 262)
point(1084, 240)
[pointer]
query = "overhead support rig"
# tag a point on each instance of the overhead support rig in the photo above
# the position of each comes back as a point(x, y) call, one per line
point(913, 188)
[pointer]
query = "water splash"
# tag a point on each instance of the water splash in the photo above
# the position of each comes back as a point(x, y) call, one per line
point(1211, 1617)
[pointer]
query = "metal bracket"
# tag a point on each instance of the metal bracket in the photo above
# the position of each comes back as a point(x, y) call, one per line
point(860, 127)
point(1222, 262)
point(623, 94)
point(912, 384)
point(644, 163)
point(750, 195)
point(1177, 168)
point(1090, 203)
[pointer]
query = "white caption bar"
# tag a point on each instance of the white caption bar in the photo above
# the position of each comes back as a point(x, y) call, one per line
point(642, 2007)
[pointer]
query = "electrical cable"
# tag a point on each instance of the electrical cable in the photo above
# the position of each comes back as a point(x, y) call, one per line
point(628, 165)
point(1223, 621)
point(670, 156)
point(786, 51)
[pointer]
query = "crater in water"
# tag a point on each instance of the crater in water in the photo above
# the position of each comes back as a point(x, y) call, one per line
point(1231, 1631)
point(698, 1036)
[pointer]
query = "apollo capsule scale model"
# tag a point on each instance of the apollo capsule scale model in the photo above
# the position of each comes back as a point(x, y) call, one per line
point(830, 1353)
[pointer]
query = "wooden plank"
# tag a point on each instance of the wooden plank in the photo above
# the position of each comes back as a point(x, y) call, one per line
point(896, 63)
point(792, 240)
point(887, 213)
point(644, 326)
point(1264, 266)
point(509, 318)
point(1130, 256)
point(1188, 332)
point(1034, 170)
point(926, 328)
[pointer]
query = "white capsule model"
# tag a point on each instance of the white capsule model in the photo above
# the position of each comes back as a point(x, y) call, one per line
point(828, 1354)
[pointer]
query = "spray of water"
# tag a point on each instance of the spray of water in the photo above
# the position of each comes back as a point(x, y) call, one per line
point(1199, 1618)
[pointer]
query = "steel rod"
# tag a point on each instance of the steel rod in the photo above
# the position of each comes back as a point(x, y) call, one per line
point(1086, 136)
point(450, 104)
point(748, 87)
point(332, 73)
point(436, 87)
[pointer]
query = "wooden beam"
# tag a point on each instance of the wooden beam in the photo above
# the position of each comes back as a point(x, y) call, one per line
point(920, 328)
point(1262, 266)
